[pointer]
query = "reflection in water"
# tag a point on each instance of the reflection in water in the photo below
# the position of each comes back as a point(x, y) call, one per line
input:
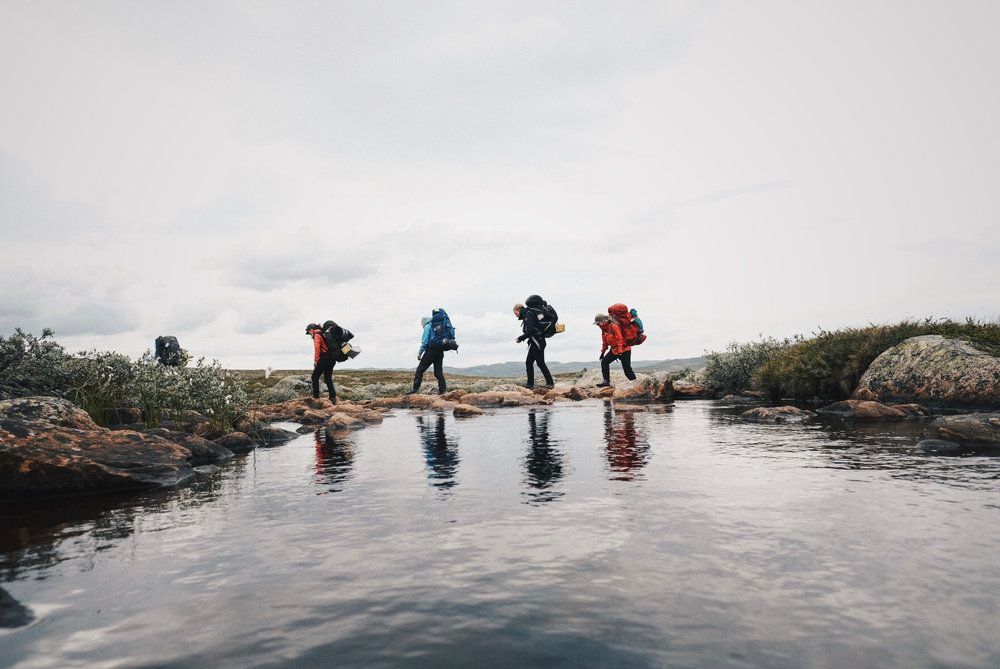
point(626, 447)
point(440, 452)
point(544, 461)
point(334, 458)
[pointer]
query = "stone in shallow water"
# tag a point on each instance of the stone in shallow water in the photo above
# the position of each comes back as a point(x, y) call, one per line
point(864, 410)
point(976, 428)
point(785, 414)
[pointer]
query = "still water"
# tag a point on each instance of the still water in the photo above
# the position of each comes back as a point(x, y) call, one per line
point(571, 536)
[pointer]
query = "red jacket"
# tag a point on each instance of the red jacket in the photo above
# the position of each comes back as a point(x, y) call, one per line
point(611, 337)
point(319, 344)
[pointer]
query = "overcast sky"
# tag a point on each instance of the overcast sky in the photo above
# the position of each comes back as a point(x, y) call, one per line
point(229, 171)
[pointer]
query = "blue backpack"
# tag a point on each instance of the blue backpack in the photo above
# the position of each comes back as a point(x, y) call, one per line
point(442, 331)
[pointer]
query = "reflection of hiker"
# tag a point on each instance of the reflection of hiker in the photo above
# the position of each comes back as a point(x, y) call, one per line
point(327, 343)
point(543, 462)
point(626, 448)
point(439, 336)
point(334, 458)
point(537, 322)
point(440, 452)
point(611, 338)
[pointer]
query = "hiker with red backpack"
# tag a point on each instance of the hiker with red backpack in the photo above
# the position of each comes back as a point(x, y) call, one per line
point(621, 329)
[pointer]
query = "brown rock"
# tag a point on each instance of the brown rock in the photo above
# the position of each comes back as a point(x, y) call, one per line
point(237, 442)
point(577, 394)
point(785, 414)
point(344, 421)
point(601, 393)
point(913, 410)
point(454, 395)
point(504, 398)
point(557, 393)
point(389, 403)
point(49, 446)
point(629, 408)
point(202, 450)
point(466, 410)
point(934, 371)
point(975, 428)
point(691, 390)
point(863, 410)
point(124, 416)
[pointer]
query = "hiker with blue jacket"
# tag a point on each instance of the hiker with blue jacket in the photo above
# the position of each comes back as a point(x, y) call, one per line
point(438, 337)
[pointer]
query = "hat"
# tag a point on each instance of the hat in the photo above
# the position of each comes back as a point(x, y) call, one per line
point(601, 318)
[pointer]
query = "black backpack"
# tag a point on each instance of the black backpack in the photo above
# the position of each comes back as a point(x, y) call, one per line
point(335, 338)
point(168, 351)
point(547, 316)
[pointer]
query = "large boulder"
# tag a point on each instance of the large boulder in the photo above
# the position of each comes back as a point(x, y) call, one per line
point(785, 414)
point(864, 410)
point(48, 446)
point(644, 389)
point(933, 371)
point(975, 428)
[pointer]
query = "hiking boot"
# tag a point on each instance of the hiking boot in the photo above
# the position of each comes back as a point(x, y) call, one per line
point(530, 386)
point(604, 384)
point(550, 386)
point(333, 400)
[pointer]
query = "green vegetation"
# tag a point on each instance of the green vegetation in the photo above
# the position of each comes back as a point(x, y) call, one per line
point(102, 383)
point(830, 363)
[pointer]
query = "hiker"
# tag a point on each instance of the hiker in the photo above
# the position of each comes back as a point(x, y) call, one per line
point(611, 338)
point(438, 337)
point(327, 343)
point(538, 321)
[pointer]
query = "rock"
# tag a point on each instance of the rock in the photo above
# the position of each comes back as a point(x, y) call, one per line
point(785, 414)
point(343, 421)
point(933, 371)
point(124, 416)
point(296, 383)
point(577, 394)
point(389, 403)
point(601, 393)
point(206, 470)
point(646, 388)
point(557, 393)
point(974, 428)
point(692, 390)
point(48, 446)
point(368, 415)
point(629, 408)
point(507, 398)
point(12, 612)
point(443, 405)
point(466, 410)
point(863, 410)
point(514, 388)
point(202, 450)
point(272, 436)
point(237, 442)
point(248, 425)
point(913, 410)
point(454, 395)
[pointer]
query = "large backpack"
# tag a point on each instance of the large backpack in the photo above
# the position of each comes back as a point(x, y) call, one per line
point(168, 351)
point(547, 316)
point(442, 332)
point(335, 338)
point(631, 333)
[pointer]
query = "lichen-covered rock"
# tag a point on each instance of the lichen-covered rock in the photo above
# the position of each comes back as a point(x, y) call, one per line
point(454, 395)
point(343, 421)
point(49, 446)
point(863, 410)
point(692, 390)
point(202, 450)
point(785, 414)
point(237, 442)
point(466, 410)
point(506, 398)
point(974, 428)
point(645, 389)
point(933, 371)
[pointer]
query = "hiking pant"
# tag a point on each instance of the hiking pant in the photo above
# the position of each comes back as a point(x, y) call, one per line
point(432, 356)
point(625, 357)
point(324, 368)
point(536, 354)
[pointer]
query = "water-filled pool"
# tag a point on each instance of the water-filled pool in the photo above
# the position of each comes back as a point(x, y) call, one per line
point(569, 536)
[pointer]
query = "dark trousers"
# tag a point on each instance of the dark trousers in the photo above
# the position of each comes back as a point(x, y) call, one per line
point(625, 357)
point(430, 357)
point(324, 368)
point(536, 355)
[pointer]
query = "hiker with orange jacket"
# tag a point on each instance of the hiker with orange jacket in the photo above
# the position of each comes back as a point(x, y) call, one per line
point(611, 338)
point(323, 361)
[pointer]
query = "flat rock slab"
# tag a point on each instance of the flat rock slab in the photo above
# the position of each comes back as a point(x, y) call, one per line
point(974, 428)
point(203, 451)
point(864, 410)
point(783, 414)
point(49, 446)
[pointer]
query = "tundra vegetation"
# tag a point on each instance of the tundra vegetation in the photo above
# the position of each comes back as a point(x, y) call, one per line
point(829, 364)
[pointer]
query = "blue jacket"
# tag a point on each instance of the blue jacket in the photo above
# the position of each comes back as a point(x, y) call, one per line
point(426, 339)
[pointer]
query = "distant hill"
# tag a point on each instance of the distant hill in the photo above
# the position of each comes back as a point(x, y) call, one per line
point(512, 369)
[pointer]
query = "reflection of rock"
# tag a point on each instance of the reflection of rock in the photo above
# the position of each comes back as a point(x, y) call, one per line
point(202, 450)
point(975, 428)
point(785, 414)
point(939, 446)
point(933, 370)
point(49, 446)
point(12, 612)
point(465, 410)
point(866, 410)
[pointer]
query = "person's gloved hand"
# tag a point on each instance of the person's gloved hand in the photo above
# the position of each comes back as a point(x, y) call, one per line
point(419, 356)
point(520, 339)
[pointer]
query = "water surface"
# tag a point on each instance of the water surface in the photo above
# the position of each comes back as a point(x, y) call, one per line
point(571, 536)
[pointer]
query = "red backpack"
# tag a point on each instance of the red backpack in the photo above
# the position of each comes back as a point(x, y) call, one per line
point(630, 331)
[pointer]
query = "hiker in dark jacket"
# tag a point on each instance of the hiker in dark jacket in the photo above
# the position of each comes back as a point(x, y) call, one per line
point(532, 332)
point(323, 361)
point(430, 354)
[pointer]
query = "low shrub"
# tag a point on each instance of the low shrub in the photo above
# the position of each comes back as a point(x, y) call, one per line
point(736, 368)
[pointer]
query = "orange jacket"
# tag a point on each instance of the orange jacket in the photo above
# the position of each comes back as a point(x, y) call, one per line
point(319, 344)
point(611, 337)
